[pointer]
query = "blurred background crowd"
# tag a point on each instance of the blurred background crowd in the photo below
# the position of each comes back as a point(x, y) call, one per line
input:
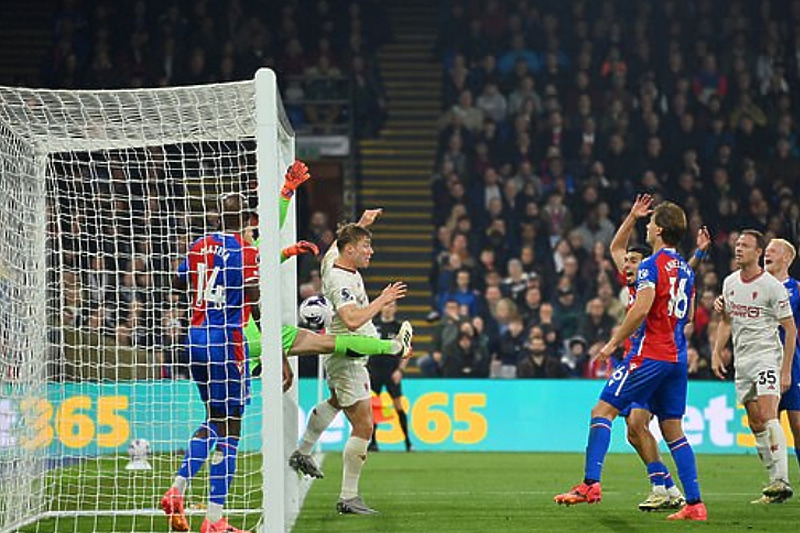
point(554, 118)
point(554, 115)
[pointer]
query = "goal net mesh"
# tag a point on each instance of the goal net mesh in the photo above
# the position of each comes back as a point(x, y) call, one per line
point(101, 194)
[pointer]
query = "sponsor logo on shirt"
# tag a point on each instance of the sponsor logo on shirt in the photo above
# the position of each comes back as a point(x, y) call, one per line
point(744, 311)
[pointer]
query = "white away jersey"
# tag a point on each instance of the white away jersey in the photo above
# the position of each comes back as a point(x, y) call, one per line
point(755, 307)
point(344, 287)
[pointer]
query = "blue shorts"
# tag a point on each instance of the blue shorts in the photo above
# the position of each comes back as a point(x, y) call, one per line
point(658, 384)
point(627, 410)
point(218, 364)
point(790, 401)
point(624, 413)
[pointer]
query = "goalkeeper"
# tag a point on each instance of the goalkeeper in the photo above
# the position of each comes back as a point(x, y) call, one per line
point(301, 341)
point(219, 365)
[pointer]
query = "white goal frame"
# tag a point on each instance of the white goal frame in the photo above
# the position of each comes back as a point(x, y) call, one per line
point(281, 493)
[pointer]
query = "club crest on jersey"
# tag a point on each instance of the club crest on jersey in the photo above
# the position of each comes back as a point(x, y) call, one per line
point(346, 294)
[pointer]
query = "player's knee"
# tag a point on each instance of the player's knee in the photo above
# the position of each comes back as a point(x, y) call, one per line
point(757, 425)
point(634, 435)
point(602, 410)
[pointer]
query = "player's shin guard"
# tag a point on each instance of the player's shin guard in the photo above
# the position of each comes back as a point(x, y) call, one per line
point(777, 442)
point(359, 346)
point(321, 417)
point(355, 454)
point(221, 472)
point(764, 450)
point(683, 455)
point(197, 452)
point(596, 448)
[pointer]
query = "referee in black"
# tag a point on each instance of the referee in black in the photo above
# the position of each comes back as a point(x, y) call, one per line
point(387, 371)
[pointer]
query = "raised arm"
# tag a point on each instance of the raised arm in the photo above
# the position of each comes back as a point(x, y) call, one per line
point(299, 248)
point(296, 175)
point(641, 207)
point(369, 216)
point(703, 241)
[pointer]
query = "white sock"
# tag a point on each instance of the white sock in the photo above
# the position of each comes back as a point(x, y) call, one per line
point(765, 453)
point(180, 483)
point(777, 441)
point(355, 454)
point(674, 492)
point(214, 513)
point(321, 417)
point(661, 490)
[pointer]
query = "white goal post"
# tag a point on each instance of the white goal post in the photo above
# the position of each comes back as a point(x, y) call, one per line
point(101, 193)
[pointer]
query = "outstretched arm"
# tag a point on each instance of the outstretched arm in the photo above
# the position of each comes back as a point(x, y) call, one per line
point(641, 207)
point(703, 241)
point(296, 175)
point(299, 248)
point(369, 216)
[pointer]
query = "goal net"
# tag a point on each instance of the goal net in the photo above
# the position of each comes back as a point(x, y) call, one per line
point(101, 194)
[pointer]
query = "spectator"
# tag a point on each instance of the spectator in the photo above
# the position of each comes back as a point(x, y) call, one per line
point(492, 102)
point(466, 358)
point(512, 345)
point(596, 324)
point(462, 292)
point(537, 364)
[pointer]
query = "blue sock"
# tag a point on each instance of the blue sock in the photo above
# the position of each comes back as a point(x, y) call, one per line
point(596, 448)
point(655, 471)
point(197, 452)
point(687, 468)
point(668, 481)
point(221, 473)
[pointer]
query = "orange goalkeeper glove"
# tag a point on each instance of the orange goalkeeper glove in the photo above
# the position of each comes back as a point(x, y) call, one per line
point(295, 176)
point(299, 248)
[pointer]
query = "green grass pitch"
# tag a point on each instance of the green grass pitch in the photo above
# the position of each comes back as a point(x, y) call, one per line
point(464, 493)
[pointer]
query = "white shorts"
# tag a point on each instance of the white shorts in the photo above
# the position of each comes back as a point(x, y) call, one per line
point(348, 378)
point(758, 376)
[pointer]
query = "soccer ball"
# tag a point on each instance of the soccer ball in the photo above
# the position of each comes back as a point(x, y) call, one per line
point(315, 313)
point(138, 450)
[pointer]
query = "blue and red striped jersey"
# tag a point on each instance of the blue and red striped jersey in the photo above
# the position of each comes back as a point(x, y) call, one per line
point(217, 268)
point(672, 278)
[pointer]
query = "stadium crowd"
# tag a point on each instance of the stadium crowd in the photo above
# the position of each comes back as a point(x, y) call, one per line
point(323, 52)
point(124, 219)
point(555, 115)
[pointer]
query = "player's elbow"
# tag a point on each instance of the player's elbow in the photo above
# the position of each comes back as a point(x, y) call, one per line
point(349, 321)
point(351, 325)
